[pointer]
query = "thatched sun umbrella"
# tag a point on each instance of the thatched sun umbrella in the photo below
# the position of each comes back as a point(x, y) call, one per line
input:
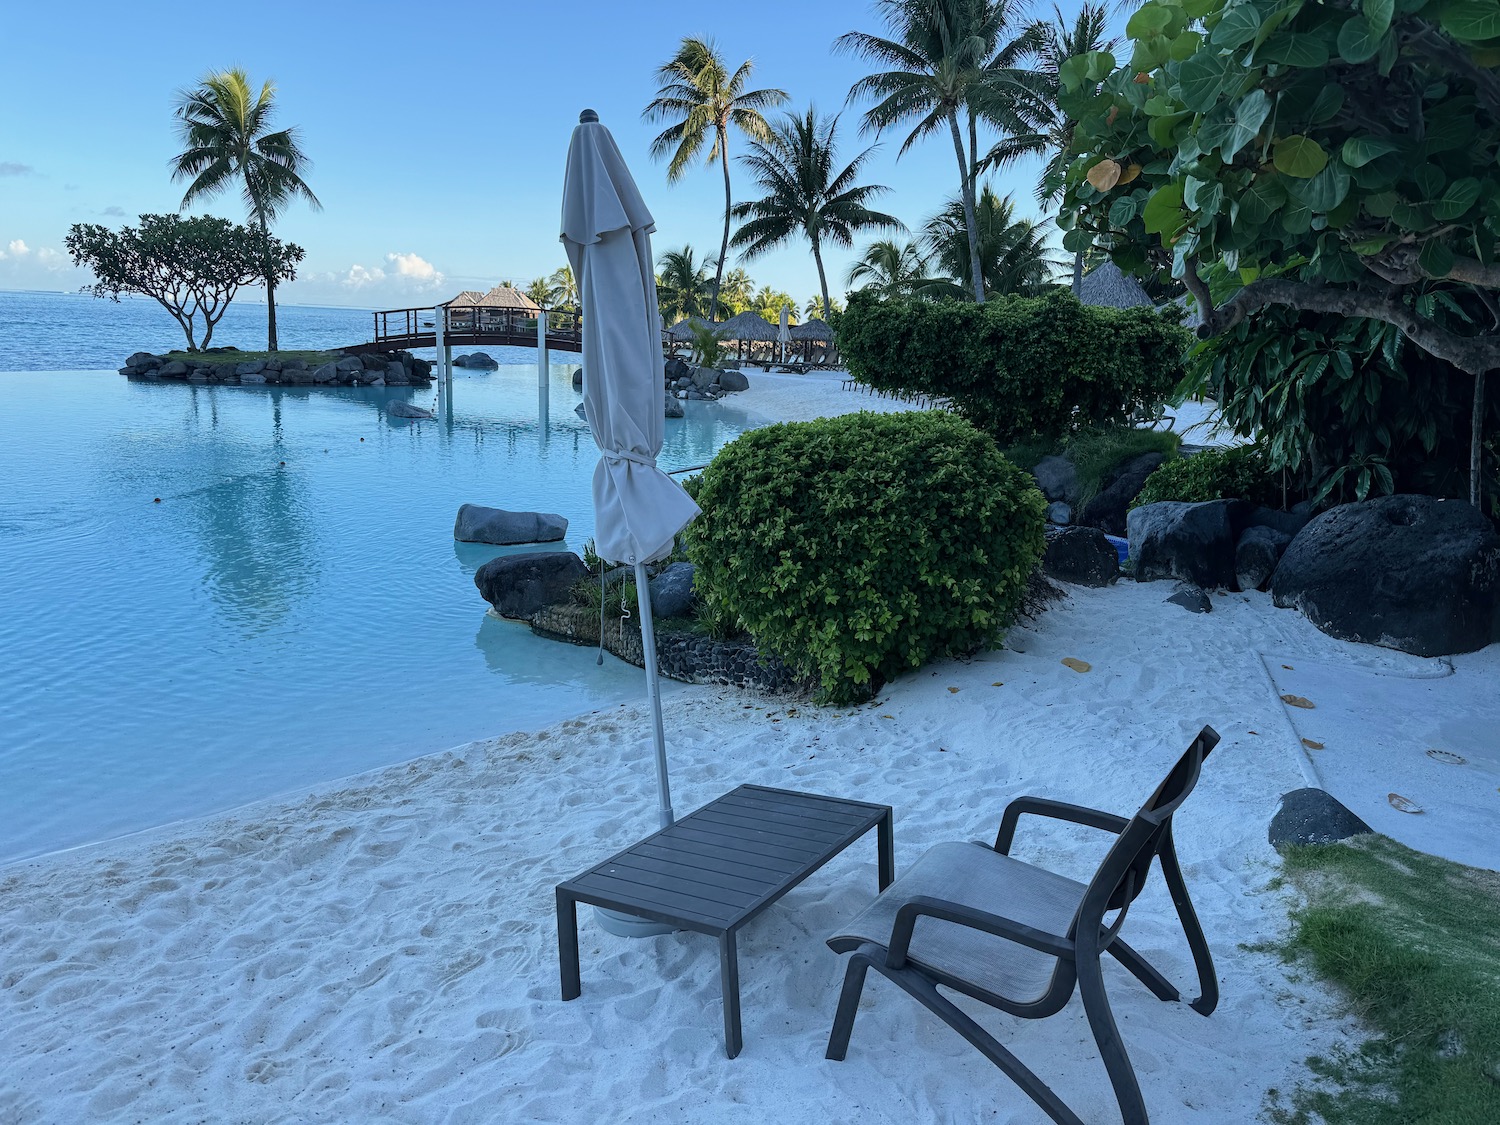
point(811, 332)
point(747, 328)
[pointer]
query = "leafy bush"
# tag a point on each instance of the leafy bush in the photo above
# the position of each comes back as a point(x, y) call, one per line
point(855, 548)
point(707, 347)
point(1018, 367)
point(1238, 473)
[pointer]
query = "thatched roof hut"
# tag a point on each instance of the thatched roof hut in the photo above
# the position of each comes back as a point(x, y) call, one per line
point(749, 326)
point(466, 298)
point(682, 331)
point(1106, 285)
point(505, 297)
point(813, 329)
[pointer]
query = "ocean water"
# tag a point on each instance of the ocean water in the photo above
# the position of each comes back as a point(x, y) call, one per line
point(294, 609)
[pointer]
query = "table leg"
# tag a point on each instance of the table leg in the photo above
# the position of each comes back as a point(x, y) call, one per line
point(885, 842)
point(567, 945)
point(729, 971)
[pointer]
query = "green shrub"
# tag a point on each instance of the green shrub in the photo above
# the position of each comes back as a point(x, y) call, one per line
point(1018, 367)
point(1238, 473)
point(856, 548)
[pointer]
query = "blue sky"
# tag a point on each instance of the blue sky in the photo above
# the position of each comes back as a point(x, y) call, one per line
point(438, 133)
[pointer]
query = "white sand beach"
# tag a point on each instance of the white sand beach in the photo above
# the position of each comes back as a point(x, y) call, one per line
point(384, 948)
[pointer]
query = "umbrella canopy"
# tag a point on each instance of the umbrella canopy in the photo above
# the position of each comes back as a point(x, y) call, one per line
point(783, 333)
point(606, 231)
point(638, 509)
point(748, 326)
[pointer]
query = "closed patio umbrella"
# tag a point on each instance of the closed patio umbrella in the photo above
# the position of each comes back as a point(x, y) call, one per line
point(783, 334)
point(638, 509)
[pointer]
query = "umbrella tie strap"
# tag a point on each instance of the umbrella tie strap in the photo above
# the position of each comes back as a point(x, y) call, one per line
point(627, 455)
point(601, 613)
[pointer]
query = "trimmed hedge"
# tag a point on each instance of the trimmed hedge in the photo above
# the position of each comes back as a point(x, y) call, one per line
point(1236, 473)
point(1018, 367)
point(858, 547)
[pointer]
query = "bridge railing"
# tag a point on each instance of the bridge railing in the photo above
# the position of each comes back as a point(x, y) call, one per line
point(465, 323)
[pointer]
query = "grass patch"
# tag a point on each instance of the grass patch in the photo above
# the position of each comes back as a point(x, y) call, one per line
point(1415, 943)
point(1096, 453)
point(211, 359)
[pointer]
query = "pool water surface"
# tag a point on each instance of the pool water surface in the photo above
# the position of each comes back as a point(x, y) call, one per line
point(294, 608)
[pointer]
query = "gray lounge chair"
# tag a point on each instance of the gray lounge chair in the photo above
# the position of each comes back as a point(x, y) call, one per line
point(1018, 937)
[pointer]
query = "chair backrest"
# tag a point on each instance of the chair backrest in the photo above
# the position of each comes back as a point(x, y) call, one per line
point(1122, 875)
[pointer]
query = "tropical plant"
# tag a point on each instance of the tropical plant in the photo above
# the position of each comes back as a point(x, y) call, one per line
point(227, 137)
point(857, 548)
point(821, 308)
point(804, 195)
point(540, 291)
point(563, 287)
point(1234, 473)
point(1013, 256)
point(1324, 158)
point(682, 285)
point(769, 302)
point(707, 346)
point(1017, 367)
point(1051, 131)
point(890, 268)
point(191, 267)
point(953, 67)
point(736, 292)
point(702, 99)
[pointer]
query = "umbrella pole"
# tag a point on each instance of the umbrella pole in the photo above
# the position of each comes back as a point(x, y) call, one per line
point(653, 692)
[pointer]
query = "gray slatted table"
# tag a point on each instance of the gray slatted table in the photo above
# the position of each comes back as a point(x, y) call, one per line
point(718, 868)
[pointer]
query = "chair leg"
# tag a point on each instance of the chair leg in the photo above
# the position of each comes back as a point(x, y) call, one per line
point(843, 1019)
point(1143, 971)
point(1111, 1046)
point(1208, 981)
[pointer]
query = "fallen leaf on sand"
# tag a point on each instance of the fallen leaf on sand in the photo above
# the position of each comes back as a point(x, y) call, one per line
point(1311, 745)
point(954, 690)
point(1076, 664)
point(1255, 732)
point(1298, 701)
point(1289, 668)
point(998, 683)
point(888, 716)
point(1403, 804)
point(1448, 757)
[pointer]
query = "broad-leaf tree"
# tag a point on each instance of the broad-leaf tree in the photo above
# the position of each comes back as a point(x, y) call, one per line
point(191, 267)
point(805, 193)
point(1013, 254)
point(1335, 157)
point(701, 98)
point(953, 64)
point(225, 129)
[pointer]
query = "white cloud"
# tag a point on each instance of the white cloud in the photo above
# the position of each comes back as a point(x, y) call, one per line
point(51, 259)
point(18, 249)
point(357, 276)
point(415, 267)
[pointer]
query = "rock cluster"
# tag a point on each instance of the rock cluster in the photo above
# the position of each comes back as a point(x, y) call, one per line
point(372, 369)
point(684, 381)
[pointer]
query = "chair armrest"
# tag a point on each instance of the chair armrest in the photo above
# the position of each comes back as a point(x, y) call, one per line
point(1057, 810)
point(922, 906)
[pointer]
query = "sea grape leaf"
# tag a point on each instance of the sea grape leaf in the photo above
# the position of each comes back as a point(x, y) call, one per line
point(1163, 212)
point(1237, 28)
point(1459, 196)
point(1435, 259)
point(1471, 20)
point(1322, 192)
point(1292, 49)
point(1202, 79)
point(1378, 14)
point(1357, 43)
point(1262, 199)
point(1359, 151)
point(1299, 156)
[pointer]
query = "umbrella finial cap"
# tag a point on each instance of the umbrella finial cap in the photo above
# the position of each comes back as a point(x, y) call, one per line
point(587, 117)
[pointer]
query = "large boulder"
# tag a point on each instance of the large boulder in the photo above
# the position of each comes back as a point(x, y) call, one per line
point(142, 359)
point(173, 370)
point(395, 373)
point(519, 585)
point(349, 364)
point(1408, 572)
point(578, 379)
point(672, 408)
point(1256, 554)
point(1288, 523)
point(673, 369)
point(325, 373)
point(250, 367)
point(407, 410)
point(705, 377)
point(733, 381)
point(481, 360)
point(1311, 816)
point(1108, 508)
point(672, 591)
point(1057, 478)
point(373, 361)
point(479, 524)
point(421, 368)
point(1190, 542)
point(1061, 514)
point(1081, 555)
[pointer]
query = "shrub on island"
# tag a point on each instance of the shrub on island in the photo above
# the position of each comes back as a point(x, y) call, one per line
point(859, 547)
point(1018, 367)
point(1237, 473)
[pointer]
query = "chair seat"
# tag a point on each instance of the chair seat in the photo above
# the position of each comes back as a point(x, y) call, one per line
point(975, 876)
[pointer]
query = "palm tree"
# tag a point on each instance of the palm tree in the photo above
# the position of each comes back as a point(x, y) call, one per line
point(681, 284)
point(950, 69)
point(564, 287)
point(539, 291)
point(1013, 254)
point(818, 307)
point(699, 96)
point(1050, 130)
point(769, 302)
point(890, 268)
point(804, 196)
point(226, 133)
point(736, 292)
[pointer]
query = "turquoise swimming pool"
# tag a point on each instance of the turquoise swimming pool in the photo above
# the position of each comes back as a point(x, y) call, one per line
point(293, 610)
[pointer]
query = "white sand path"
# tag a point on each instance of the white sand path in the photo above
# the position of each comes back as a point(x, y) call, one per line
point(383, 949)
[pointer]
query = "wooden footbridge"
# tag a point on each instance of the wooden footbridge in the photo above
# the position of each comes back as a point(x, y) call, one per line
point(471, 326)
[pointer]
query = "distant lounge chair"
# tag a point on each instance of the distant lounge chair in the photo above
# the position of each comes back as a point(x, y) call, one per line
point(1018, 937)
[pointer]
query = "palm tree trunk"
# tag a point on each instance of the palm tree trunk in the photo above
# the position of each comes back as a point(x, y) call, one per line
point(975, 271)
point(271, 310)
point(822, 277)
point(713, 308)
point(973, 153)
point(1078, 273)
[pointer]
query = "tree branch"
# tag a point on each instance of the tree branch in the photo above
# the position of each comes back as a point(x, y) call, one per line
point(1473, 354)
point(1431, 43)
